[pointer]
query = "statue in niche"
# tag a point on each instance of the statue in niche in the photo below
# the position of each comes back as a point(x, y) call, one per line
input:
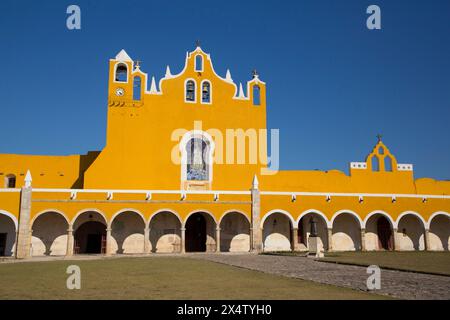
point(197, 169)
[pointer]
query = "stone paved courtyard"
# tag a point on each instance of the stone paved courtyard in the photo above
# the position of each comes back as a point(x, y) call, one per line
point(398, 284)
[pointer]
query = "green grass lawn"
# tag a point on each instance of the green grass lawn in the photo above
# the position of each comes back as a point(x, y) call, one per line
point(158, 278)
point(419, 261)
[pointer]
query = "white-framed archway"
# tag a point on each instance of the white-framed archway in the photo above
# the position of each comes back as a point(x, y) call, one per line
point(353, 213)
point(346, 231)
point(127, 232)
point(200, 231)
point(165, 231)
point(315, 211)
point(8, 229)
point(234, 231)
point(277, 227)
point(413, 213)
point(435, 214)
point(379, 231)
point(128, 210)
point(47, 211)
point(90, 231)
point(379, 212)
point(438, 226)
point(12, 217)
point(284, 212)
point(50, 233)
point(175, 213)
point(304, 229)
point(410, 227)
point(209, 213)
point(79, 213)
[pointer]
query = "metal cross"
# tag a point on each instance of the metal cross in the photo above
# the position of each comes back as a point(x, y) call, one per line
point(379, 136)
point(197, 43)
point(138, 63)
point(254, 73)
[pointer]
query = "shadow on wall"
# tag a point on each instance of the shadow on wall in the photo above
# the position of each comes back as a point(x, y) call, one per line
point(85, 162)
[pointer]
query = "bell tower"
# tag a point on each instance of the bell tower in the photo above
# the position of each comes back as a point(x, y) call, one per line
point(120, 86)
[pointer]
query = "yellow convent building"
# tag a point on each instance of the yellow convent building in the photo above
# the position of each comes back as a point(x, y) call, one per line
point(185, 169)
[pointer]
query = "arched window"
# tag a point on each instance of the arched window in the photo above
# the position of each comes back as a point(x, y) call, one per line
point(387, 163)
point(380, 150)
point(137, 88)
point(121, 73)
point(190, 90)
point(206, 92)
point(10, 181)
point(375, 164)
point(198, 63)
point(197, 168)
point(256, 95)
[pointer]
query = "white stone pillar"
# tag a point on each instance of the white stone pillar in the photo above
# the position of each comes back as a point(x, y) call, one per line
point(218, 239)
point(108, 241)
point(256, 231)
point(396, 240)
point(183, 240)
point(427, 240)
point(147, 240)
point(363, 239)
point(330, 239)
point(294, 239)
point(70, 241)
point(23, 245)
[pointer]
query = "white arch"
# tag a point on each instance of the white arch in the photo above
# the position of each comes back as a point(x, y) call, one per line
point(358, 218)
point(49, 211)
point(12, 217)
point(199, 211)
point(287, 214)
point(413, 213)
point(437, 213)
point(380, 212)
point(162, 211)
point(234, 211)
point(116, 65)
point(89, 210)
point(128, 210)
point(314, 211)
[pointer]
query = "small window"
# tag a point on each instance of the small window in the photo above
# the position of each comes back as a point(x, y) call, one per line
point(198, 63)
point(121, 73)
point(380, 150)
point(375, 164)
point(10, 181)
point(256, 95)
point(206, 92)
point(137, 88)
point(190, 91)
point(387, 163)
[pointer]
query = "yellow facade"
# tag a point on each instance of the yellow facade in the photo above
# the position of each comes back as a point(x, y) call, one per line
point(143, 132)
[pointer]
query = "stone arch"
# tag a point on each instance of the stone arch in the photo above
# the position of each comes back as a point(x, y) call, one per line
point(234, 232)
point(379, 231)
point(49, 237)
point(346, 235)
point(410, 231)
point(89, 227)
point(8, 229)
point(200, 231)
point(277, 226)
point(439, 231)
point(304, 228)
point(127, 232)
point(165, 232)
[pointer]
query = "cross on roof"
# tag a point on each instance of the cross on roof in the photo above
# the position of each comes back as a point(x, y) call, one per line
point(254, 73)
point(138, 63)
point(379, 136)
point(197, 43)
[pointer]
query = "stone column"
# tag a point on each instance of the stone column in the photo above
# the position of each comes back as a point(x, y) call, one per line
point(24, 235)
point(256, 231)
point(147, 240)
point(294, 239)
point(330, 239)
point(218, 239)
point(427, 240)
point(108, 241)
point(183, 240)
point(396, 240)
point(363, 239)
point(70, 241)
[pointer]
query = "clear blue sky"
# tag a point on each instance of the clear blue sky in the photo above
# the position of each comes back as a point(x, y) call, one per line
point(332, 83)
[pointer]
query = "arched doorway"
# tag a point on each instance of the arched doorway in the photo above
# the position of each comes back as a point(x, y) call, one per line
point(234, 233)
point(384, 232)
point(346, 233)
point(49, 236)
point(90, 233)
point(127, 233)
point(304, 230)
point(411, 233)
point(196, 233)
point(277, 232)
point(7, 236)
point(440, 233)
point(165, 232)
point(200, 233)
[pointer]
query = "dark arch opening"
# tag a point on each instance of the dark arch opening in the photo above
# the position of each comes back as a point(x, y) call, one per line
point(384, 232)
point(90, 237)
point(196, 233)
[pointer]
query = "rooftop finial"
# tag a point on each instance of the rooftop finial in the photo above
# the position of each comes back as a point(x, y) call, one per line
point(255, 182)
point(255, 73)
point(28, 179)
point(137, 63)
point(197, 43)
point(379, 136)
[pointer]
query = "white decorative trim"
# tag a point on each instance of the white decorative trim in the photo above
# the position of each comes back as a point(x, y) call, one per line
point(12, 217)
point(358, 165)
point(404, 167)
point(49, 211)
point(74, 219)
point(413, 213)
point(358, 218)
point(128, 210)
point(123, 56)
point(287, 214)
point(382, 213)
point(234, 211)
point(314, 211)
point(199, 211)
point(435, 214)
